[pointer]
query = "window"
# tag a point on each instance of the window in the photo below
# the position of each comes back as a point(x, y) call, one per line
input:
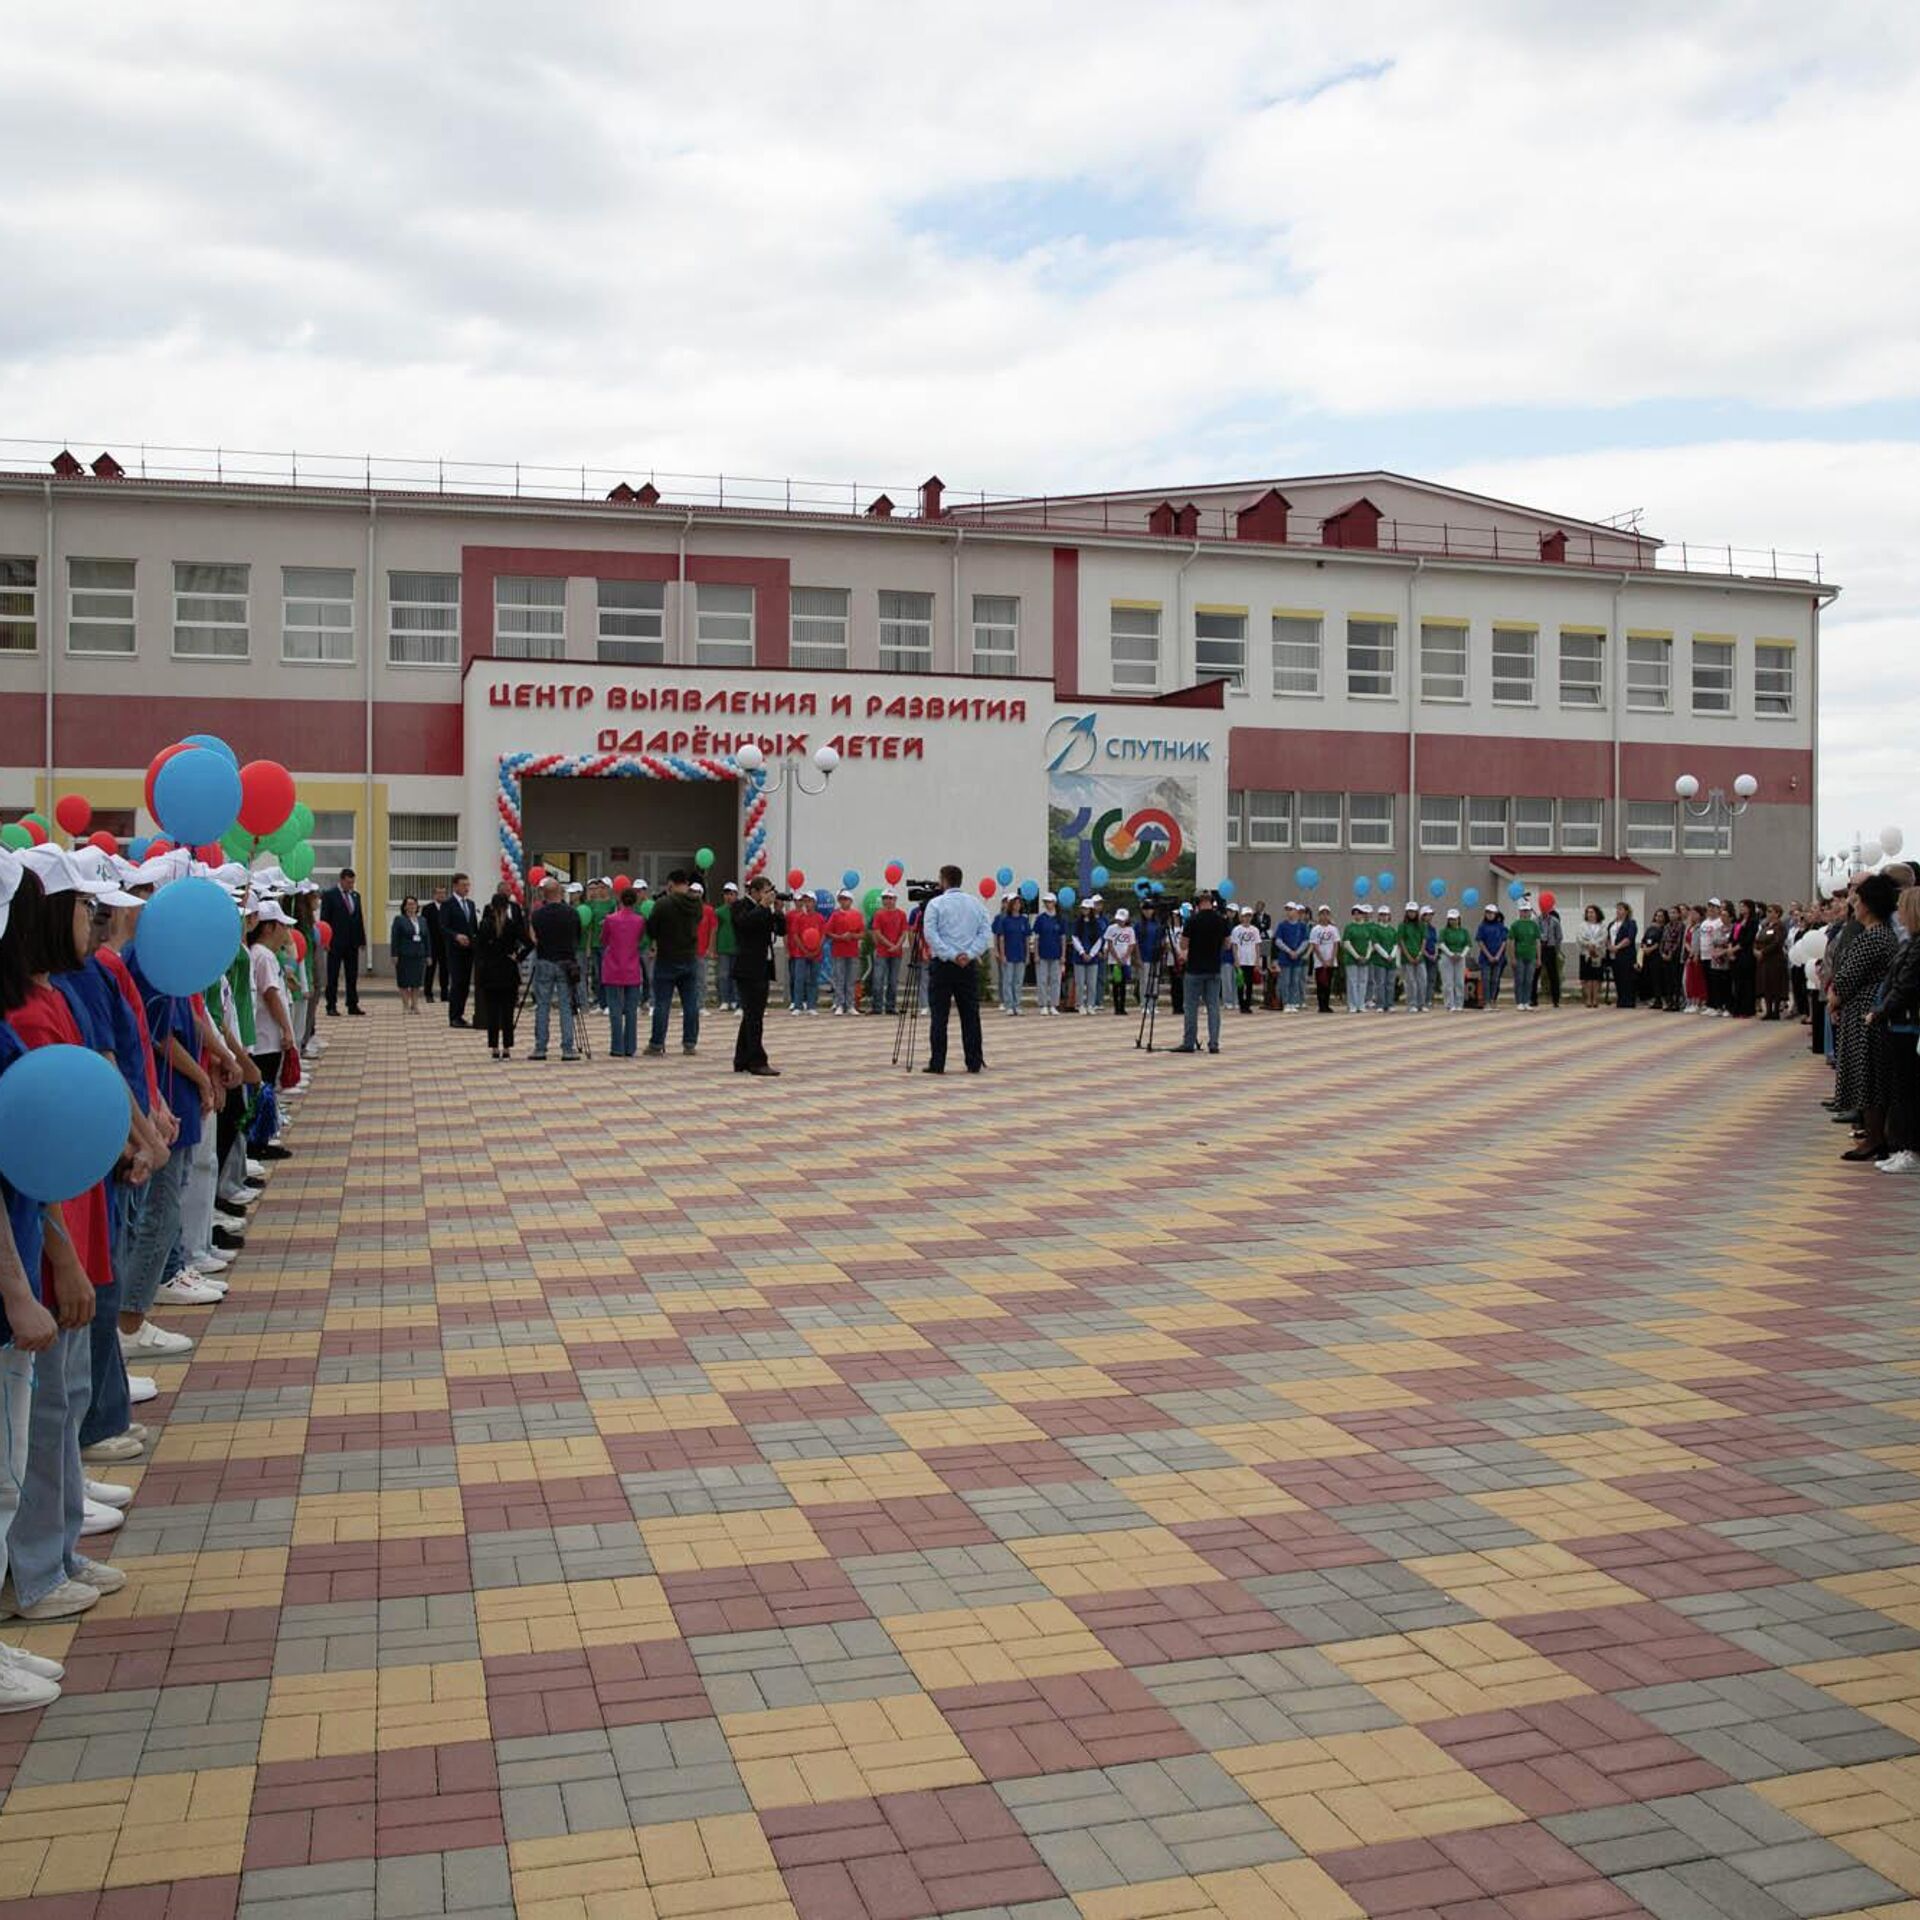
point(906, 632)
point(1515, 660)
point(1135, 635)
point(1712, 675)
point(1373, 646)
point(1369, 820)
point(99, 606)
point(529, 618)
point(332, 844)
point(1220, 645)
point(1707, 838)
point(818, 618)
point(1236, 810)
point(996, 633)
point(1583, 656)
point(1581, 822)
point(632, 628)
point(1773, 679)
point(1319, 821)
point(1533, 826)
point(1650, 672)
point(422, 851)
point(1296, 655)
point(1439, 823)
point(423, 619)
point(1269, 819)
point(722, 626)
point(1443, 659)
point(1649, 826)
point(209, 611)
point(19, 595)
point(1486, 825)
point(316, 614)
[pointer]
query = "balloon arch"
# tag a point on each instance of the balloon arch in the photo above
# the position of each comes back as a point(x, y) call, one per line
point(516, 767)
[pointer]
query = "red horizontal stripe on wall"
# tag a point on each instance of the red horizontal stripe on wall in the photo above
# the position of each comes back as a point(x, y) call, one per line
point(1472, 763)
point(310, 736)
point(1315, 760)
point(1647, 772)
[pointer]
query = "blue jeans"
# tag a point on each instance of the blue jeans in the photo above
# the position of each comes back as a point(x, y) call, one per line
point(1525, 973)
point(1202, 990)
point(1380, 991)
point(670, 977)
point(846, 981)
point(883, 988)
point(1293, 983)
point(1086, 984)
point(725, 991)
point(16, 1405)
point(1012, 976)
point(1046, 979)
point(623, 1019)
point(44, 1537)
point(152, 1229)
point(1358, 977)
point(551, 983)
point(1413, 977)
point(1490, 972)
point(803, 981)
point(1453, 979)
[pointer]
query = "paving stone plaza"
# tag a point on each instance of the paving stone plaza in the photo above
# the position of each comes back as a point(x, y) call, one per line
point(1454, 1467)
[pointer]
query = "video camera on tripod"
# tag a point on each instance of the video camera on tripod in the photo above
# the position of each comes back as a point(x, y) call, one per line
point(919, 892)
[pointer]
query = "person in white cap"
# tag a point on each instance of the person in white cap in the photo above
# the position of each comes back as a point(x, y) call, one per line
point(1118, 946)
point(1323, 949)
point(845, 930)
point(1087, 935)
point(1290, 954)
point(1413, 958)
point(1049, 953)
point(1243, 944)
point(725, 948)
point(889, 953)
point(1452, 958)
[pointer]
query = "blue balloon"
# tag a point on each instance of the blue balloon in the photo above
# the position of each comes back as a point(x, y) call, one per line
point(851, 878)
point(1029, 891)
point(1226, 889)
point(823, 899)
point(1099, 876)
point(1308, 877)
point(1142, 886)
point(1069, 898)
point(187, 935)
point(1159, 886)
point(1004, 877)
point(1362, 887)
point(196, 798)
point(137, 849)
point(1437, 888)
point(63, 1121)
point(1516, 890)
point(1471, 898)
point(1385, 882)
point(1186, 909)
point(213, 744)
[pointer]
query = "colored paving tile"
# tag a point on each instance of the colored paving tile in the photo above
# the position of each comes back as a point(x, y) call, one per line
point(847, 1501)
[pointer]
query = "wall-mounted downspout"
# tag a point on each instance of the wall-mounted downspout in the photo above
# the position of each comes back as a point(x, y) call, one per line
point(45, 602)
point(373, 515)
point(1413, 712)
point(1180, 615)
point(680, 595)
point(1617, 646)
point(959, 535)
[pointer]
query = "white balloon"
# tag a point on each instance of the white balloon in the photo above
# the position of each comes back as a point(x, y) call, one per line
point(1892, 839)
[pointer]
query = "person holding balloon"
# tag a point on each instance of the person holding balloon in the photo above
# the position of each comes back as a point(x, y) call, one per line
point(1553, 939)
point(889, 949)
point(845, 930)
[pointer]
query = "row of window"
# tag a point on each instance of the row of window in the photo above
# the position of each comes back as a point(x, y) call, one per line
point(212, 618)
point(1515, 663)
point(1262, 821)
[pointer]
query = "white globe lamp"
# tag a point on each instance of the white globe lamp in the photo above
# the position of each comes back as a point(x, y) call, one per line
point(826, 759)
point(1686, 786)
point(1746, 786)
point(748, 757)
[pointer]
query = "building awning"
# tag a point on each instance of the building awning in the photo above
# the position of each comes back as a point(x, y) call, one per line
point(1569, 866)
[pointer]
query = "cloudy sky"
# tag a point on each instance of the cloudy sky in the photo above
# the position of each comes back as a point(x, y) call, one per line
point(1599, 258)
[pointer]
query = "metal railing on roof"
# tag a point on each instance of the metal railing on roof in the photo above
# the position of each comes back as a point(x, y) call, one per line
point(546, 484)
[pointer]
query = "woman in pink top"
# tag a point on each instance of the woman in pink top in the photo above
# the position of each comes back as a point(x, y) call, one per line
point(620, 936)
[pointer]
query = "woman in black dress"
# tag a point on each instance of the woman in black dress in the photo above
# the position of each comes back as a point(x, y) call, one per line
point(497, 946)
point(1857, 976)
point(407, 938)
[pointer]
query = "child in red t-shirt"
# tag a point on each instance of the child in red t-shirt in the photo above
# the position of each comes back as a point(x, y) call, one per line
point(846, 928)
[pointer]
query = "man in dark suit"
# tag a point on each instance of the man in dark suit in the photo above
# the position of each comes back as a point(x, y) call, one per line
point(756, 925)
point(340, 909)
point(459, 923)
point(436, 940)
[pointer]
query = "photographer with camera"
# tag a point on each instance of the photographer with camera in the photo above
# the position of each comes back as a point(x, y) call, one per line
point(556, 967)
point(756, 923)
point(958, 930)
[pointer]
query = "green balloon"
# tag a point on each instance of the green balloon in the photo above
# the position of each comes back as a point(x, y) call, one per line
point(301, 818)
point(16, 837)
point(284, 838)
point(870, 902)
point(238, 842)
point(703, 859)
point(45, 825)
point(298, 862)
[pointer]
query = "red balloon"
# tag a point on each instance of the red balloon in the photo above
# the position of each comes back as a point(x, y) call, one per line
point(621, 882)
point(1546, 900)
point(988, 887)
point(74, 814)
point(535, 875)
point(796, 879)
point(895, 873)
point(299, 945)
point(325, 932)
point(160, 844)
point(158, 761)
point(36, 832)
point(213, 854)
point(104, 841)
point(266, 797)
point(810, 940)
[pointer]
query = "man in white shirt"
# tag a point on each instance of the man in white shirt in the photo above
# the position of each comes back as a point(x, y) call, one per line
point(1244, 944)
point(957, 928)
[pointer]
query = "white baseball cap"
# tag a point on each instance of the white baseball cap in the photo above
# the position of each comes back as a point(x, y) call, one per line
point(845, 893)
point(890, 893)
point(640, 886)
point(1054, 897)
point(1453, 913)
point(1246, 913)
point(1412, 906)
point(730, 887)
point(696, 887)
point(1120, 916)
point(271, 913)
point(59, 872)
point(1096, 900)
point(10, 872)
point(104, 870)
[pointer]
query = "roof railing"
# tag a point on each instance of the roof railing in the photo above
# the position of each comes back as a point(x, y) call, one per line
point(546, 484)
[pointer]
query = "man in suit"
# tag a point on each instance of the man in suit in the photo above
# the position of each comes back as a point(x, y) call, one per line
point(459, 922)
point(756, 925)
point(340, 909)
point(436, 940)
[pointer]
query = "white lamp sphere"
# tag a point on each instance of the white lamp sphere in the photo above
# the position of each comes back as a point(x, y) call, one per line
point(749, 756)
point(1746, 786)
point(1892, 839)
point(826, 759)
point(1686, 786)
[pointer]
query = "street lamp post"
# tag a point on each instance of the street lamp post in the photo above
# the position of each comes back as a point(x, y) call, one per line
point(791, 774)
point(1716, 806)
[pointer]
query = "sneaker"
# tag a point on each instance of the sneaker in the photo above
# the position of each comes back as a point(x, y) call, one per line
point(225, 1242)
point(143, 1434)
point(123, 1446)
point(233, 1209)
point(67, 1599)
point(142, 1387)
point(109, 1495)
point(536, 1056)
point(206, 1265)
point(256, 1172)
point(97, 1518)
point(35, 1663)
point(655, 1053)
point(1905, 1161)
point(187, 1293)
point(689, 1051)
point(196, 1276)
point(101, 1577)
point(275, 1151)
point(24, 1692)
point(569, 1056)
point(153, 1343)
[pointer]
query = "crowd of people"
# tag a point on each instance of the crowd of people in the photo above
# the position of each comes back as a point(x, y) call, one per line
point(209, 1078)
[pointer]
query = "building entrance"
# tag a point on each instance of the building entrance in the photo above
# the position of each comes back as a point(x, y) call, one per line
point(644, 828)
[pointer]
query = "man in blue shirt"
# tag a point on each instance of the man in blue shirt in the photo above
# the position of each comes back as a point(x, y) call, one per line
point(957, 930)
point(1011, 932)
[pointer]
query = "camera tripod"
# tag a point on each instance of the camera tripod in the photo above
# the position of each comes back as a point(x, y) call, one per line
point(582, 1031)
point(907, 1020)
point(1150, 995)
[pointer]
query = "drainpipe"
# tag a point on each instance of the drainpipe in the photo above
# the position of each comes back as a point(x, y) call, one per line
point(680, 594)
point(959, 535)
point(44, 603)
point(373, 513)
point(1180, 605)
point(1618, 647)
point(1413, 712)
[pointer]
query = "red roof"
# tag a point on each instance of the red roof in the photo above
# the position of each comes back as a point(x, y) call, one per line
point(1599, 865)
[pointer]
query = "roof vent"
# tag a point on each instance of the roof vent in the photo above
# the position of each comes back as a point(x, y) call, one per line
point(882, 509)
point(647, 496)
point(65, 465)
point(1186, 522)
point(1355, 526)
point(1266, 519)
point(621, 494)
point(1160, 520)
point(108, 468)
point(1553, 548)
point(930, 491)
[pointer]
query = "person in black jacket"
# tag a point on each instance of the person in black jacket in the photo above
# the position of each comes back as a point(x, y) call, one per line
point(340, 909)
point(436, 940)
point(499, 941)
point(756, 926)
point(674, 929)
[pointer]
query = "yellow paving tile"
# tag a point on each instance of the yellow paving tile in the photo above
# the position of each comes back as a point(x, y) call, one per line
point(1575, 1510)
point(1346, 1393)
point(720, 1866)
point(1281, 1890)
point(407, 1513)
point(1073, 1565)
point(1205, 1493)
point(1683, 1363)
point(1440, 1672)
point(1259, 1443)
point(1400, 1356)
point(318, 1716)
point(986, 1646)
point(1503, 1582)
point(380, 1396)
point(123, 1832)
point(1024, 1386)
point(211, 1581)
point(991, 1426)
point(1654, 1404)
point(1618, 1453)
point(696, 1542)
point(194, 1444)
point(806, 1756)
point(1885, 1685)
point(1894, 1591)
point(492, 1363)
point(496, 1462)
point(566, 1614)
point(859, 1477)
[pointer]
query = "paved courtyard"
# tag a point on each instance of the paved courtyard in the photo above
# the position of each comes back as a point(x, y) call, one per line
point(1449, 1467)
